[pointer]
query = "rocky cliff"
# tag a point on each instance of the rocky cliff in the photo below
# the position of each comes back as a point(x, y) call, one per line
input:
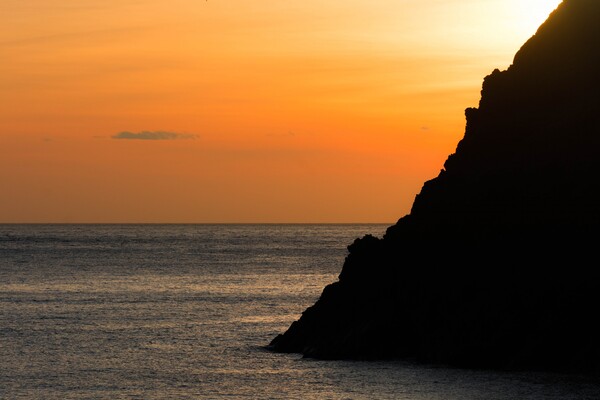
point(496, 265)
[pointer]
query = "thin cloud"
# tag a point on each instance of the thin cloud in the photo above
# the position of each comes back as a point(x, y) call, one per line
point(153, 135)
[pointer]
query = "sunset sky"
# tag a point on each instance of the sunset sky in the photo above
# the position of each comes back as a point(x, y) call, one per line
point(238, 110)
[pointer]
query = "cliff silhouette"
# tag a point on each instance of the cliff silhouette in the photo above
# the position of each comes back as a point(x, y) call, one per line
point(496, 265)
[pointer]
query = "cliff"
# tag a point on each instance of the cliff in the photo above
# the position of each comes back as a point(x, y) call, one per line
point(496, 265)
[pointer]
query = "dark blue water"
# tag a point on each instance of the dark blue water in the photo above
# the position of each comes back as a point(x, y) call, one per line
point(183, 312)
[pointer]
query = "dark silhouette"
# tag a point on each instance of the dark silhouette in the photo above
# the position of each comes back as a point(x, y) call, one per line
point(496, 265)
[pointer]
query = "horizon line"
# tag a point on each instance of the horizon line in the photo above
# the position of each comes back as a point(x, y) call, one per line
point(196, 223)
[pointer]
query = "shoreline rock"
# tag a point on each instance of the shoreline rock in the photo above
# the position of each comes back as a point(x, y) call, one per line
point(496, 265)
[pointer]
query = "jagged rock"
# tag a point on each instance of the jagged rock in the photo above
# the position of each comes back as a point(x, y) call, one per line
point(496, 264)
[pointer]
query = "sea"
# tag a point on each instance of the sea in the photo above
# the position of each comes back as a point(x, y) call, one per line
point(186, 312)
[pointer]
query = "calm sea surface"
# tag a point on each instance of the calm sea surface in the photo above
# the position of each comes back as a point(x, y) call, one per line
point(183, 312)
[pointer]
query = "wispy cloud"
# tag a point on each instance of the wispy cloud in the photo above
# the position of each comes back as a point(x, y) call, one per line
point(153, 135)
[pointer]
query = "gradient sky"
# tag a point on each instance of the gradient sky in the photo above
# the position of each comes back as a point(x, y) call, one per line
point(239, 110)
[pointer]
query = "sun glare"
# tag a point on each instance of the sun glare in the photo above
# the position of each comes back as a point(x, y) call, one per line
point(535, 12)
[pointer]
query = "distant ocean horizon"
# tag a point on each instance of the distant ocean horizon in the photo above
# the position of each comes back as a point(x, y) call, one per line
point(184, 311)
point(197, 223)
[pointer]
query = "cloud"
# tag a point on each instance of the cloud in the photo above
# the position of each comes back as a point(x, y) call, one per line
point(153, 135)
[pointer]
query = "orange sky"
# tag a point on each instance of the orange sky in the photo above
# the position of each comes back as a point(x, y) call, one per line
point(251, 111)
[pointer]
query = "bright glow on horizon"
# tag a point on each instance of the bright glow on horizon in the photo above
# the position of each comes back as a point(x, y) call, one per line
point(534, 13)
point(239, 111)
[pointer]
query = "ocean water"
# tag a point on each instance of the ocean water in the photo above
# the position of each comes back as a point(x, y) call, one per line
point(184, 312)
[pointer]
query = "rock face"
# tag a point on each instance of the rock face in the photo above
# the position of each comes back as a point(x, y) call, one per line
point(496, 265)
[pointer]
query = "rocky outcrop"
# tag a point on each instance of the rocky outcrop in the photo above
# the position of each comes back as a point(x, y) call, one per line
point(496, 265)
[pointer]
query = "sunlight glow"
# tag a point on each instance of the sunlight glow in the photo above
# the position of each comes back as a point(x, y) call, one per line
point(534, 13)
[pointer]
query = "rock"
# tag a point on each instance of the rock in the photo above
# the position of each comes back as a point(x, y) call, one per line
point(496, 264)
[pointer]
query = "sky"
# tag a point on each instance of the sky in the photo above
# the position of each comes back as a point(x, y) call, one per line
point(239, 111)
